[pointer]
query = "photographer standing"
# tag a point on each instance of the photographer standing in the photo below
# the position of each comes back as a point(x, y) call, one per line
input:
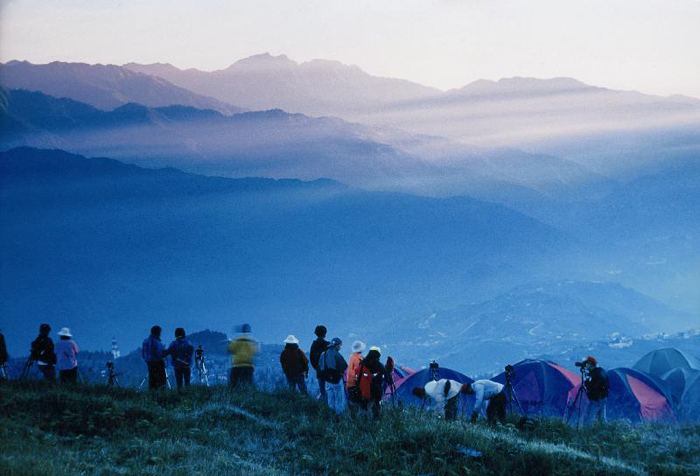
point(43, 353)
point(597, 387)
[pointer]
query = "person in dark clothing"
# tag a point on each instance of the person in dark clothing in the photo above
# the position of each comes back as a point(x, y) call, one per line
point(318, 347)
point(154, 353)
point(371, 368)
point(3, 357)
point(181, 351)
point(43, 353)
point(597, 388)
point(294, 364)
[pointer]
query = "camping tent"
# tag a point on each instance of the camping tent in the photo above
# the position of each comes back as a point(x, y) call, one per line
point(542, 387)
point(399, 374)
point(689, 407)
point(678, 380)
point(419, 379)
point(636, 396)
point(659, 362)
point(684, 386)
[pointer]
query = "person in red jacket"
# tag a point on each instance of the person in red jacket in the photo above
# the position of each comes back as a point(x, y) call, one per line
point(294, 364)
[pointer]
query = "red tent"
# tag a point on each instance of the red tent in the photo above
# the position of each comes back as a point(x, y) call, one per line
point(635, 396)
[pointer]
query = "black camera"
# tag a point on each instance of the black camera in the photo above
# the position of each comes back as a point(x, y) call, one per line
point(580, 364)
point(510, 371)
point(199, 351)
point(110, 365)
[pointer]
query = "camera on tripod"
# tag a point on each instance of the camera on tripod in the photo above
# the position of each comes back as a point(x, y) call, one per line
point(110, 365)
point(510, 371)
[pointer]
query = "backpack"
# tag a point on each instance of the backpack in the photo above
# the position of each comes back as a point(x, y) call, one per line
point(365, 380)
point(329, 374)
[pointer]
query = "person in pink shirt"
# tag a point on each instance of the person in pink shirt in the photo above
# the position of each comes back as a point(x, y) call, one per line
point(66, 356)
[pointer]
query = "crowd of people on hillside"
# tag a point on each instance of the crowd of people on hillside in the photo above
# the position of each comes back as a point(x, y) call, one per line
point(357, 385)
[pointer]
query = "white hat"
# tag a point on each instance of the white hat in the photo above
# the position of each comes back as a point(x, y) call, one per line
point(374, 347)
point(291, 340)
point(358, 346)
point(65, 332)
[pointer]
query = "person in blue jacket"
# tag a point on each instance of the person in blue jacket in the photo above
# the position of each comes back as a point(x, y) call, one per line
point(154, 353)
point(181, 351)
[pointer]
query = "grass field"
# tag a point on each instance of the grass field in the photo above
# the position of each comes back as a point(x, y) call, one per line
point(51, 430)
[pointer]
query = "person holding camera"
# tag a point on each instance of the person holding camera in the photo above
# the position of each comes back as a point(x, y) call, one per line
point(43, 353)
point(597, 388)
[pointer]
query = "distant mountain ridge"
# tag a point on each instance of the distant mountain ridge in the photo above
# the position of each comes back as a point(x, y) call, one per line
point(559, 116)
point(548, 317)
point(109, 243)
point(103, 86)
point(317, 87)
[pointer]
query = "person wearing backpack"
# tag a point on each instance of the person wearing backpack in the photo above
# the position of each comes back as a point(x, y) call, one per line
point(333, 366)
point(294, 364)
point(181, 352)
point(318, 347)
point(371, 375)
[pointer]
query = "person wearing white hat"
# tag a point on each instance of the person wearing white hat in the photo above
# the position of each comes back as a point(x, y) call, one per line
point(66, 354)
point(351, 379)
point(295, 365)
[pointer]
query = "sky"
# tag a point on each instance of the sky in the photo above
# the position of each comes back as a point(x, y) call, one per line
point(646, 45)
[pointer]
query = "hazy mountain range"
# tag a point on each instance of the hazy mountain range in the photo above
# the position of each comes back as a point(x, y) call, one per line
point(105, 247)
point(604, 129)
point(103, 86)
point(595, 185)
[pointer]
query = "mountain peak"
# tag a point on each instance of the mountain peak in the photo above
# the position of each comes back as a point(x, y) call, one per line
point(263, 60)
point(520, 85)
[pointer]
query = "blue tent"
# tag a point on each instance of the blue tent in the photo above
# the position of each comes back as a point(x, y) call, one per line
point(659, 362)
point(638, 396)
point(542, 387)
point(419, 379)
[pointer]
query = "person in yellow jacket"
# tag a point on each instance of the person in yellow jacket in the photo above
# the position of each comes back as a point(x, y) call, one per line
point(243, 350)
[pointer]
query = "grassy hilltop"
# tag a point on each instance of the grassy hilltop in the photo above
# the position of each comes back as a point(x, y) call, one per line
point(208, 431)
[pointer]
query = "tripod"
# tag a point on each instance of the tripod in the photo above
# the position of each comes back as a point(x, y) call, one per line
point(112, 380)
point(27, 367)
point(576, 405)
point(202, 372)
point(511, 396)
point(145, 379)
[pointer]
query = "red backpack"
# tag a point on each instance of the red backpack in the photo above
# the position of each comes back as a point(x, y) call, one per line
point(364, 382)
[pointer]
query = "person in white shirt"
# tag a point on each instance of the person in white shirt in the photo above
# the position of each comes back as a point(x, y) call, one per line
point(444, 393)
point(491, 395)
